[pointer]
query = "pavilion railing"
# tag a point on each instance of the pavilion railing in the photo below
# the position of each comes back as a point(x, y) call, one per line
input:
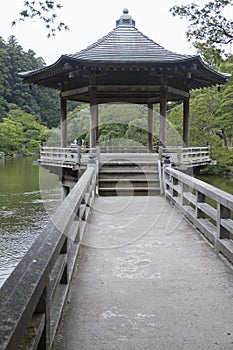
point(123, 149)
point(186, 156)
point(34, 295)
point(68, 156)
point(207, 207)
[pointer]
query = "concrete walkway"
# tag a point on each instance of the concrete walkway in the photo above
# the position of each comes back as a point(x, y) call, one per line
point(147, 280)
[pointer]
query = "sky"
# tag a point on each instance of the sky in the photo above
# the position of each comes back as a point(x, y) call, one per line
point(90, 20)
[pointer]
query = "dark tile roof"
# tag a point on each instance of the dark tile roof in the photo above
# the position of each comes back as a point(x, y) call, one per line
point(126, 43)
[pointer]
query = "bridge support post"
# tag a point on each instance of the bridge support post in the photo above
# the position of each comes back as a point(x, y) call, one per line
point(150, 127)
point(186, 122)
point(93, 113)
point(63, 123)
point(163, 114)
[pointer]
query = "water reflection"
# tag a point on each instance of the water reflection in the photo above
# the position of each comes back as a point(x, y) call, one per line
point(22, 208)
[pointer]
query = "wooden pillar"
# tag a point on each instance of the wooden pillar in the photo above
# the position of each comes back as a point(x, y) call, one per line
point(93, 114)
point(186, 122)
point(63, 123)
point(150, 127)
point(163, 114)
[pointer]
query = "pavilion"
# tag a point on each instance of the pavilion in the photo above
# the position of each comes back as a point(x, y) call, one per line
point(126, 66)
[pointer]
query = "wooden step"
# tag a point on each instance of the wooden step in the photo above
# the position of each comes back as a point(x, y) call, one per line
point(111, 183)
point(129, 191)
point(128, 163)
point(122, 177)
point(128, 176)
point(128, 169)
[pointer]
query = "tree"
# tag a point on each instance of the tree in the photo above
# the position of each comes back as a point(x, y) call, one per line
point(20, 132)
point(45, 11)
point(11, 135)
point(210, 31)
point(211, 119)
point(41, 102)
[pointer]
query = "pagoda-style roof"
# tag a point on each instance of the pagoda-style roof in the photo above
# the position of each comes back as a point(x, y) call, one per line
point(125, 60)
point(126, 44)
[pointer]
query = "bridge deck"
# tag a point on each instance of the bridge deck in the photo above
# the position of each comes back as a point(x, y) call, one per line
point(147, 280)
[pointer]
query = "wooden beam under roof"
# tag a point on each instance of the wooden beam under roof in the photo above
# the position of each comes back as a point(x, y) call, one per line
point(124, 89)
point(178, 92)
point(136, 100)
point(73, 92)
point(128, 88)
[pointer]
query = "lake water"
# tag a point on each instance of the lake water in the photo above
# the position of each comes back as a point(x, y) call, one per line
point(224, 183)
point(28, 194)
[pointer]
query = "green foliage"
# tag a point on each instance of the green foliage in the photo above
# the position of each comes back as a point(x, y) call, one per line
point(20, 132)
point(210, 31)
point(53, 138)
point(11, 135)
point(224, 158)
point(211, 119)
point(44, 11)
point(118, 124)
point(43, 103)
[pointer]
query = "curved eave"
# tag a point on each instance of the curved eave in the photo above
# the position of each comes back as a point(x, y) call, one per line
point(218, 77)
point(54, 69)
point(52, 75)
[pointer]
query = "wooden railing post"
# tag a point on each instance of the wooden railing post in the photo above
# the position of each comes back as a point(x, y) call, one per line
point(201, 198)
point(184, 189)
point(222, 213)
point(43, 307)
point(64, 250)
point(175, 182)
point(79, 154)
point(179, 155)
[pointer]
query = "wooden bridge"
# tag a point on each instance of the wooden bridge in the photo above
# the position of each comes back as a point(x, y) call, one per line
point(144, 279)
point(139, 272)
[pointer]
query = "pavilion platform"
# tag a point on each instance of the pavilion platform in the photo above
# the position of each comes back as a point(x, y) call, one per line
point(146, 279)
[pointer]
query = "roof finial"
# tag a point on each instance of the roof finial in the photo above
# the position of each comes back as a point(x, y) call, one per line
point(125, 19)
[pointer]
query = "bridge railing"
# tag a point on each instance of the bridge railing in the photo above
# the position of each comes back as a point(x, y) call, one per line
point(207, 207)
point(187, 156)
point(33, 297)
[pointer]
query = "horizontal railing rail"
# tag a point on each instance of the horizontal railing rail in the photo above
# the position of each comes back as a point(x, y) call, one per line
point(33, 297)
point(207, 207)
point(124, 149)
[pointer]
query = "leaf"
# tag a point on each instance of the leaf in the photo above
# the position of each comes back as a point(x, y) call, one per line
point(44, 11)
point(208, 24)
